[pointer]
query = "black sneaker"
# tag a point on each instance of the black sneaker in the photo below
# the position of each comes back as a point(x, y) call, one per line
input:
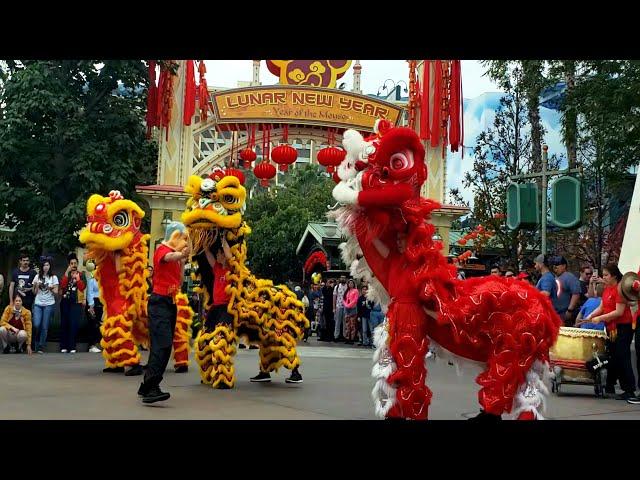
point(295, 377)
point(625, 396)
point(7, 349)
point(142, 390)
point(261, 377)
point(155, 395)
point(253, 347)
point(223, 386)
point(485, 417)
point(242, 345)
point(182, 369)
point(113, 370)
point(634, 400)
point(134, 371)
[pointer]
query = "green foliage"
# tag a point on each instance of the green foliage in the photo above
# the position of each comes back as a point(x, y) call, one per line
point(502, 151)
point(65, 134)
point(526, 77)
point(279, 217)
point(607, 97)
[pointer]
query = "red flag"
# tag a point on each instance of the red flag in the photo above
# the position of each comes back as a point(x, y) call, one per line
point(455, 107)
point(436, 120)
point(424, 100)
point(189, 93)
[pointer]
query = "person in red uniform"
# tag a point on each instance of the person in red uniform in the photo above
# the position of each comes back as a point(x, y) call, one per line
point(168, 268)
point(220, 264)
point(615, 311)
point(218, 313)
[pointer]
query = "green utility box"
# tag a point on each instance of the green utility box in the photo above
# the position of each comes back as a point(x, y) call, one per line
point(567, 202)
point(523, 205)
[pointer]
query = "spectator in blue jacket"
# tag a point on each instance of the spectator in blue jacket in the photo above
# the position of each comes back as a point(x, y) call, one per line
point(589, 306)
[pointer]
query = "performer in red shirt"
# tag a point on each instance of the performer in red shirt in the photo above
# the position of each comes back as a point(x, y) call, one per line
point(218, 312)
point(615, 311)
point(168, 268)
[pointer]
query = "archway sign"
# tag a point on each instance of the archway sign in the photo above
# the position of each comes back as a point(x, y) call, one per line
point(301, 105)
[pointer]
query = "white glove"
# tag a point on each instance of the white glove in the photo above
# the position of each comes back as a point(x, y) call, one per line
point(344, 194)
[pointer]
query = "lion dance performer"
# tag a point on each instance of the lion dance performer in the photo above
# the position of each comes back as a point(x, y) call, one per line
point(120, 252)
point(267, 315)
point(502, 324)
point(168, 268)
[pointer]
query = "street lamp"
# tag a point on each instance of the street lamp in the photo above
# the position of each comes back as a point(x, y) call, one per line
point(436, 236)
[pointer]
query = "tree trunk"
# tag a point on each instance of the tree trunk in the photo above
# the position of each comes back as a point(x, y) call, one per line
point(570, 114)
point(532, 78)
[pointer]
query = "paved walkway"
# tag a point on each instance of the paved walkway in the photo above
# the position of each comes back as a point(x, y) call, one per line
point(336, 385)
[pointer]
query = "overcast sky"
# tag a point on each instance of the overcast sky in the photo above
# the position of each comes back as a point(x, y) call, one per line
point(226, 73)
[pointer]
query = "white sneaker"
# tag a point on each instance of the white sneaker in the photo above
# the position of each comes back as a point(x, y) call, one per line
point(94, 349)
point(64, 350)
point(72, 351)
point(40, 352)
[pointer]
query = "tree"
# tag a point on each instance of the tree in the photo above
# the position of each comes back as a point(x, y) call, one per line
point(526, 76)
point(502, 151)
point(278, 217)
point(68, 128)
point(601, 133)
point(565, 71)
point(599, 239)
point(607, 99)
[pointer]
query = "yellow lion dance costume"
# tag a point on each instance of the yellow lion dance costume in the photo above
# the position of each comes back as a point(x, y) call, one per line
point(269, 316)
point(114, 241)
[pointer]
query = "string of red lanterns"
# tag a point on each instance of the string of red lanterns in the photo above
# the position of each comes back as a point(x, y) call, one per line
point(265, 171)
point(248, 155)
point(284, 154)
point(330, 157)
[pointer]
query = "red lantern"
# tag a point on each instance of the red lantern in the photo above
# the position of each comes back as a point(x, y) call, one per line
point(236, 173)
point(284, 155)
point(248, 156)
point(331, 157)
point(265, 172)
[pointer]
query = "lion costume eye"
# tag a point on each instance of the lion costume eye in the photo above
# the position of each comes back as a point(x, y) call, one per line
point(121, 219)
point(401, 160)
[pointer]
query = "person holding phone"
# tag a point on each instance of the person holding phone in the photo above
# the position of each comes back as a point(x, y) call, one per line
point(73, 285)
point(45, 286)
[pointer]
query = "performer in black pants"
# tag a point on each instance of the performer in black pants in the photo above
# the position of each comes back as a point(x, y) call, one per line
point(326, 332)
point(168, 268)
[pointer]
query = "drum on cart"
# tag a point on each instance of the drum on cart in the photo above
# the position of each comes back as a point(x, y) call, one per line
point(569, 356)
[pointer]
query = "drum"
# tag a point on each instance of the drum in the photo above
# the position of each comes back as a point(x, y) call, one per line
point(574, 347)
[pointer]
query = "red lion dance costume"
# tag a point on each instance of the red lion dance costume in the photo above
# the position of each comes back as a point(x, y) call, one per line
point(503, 323)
